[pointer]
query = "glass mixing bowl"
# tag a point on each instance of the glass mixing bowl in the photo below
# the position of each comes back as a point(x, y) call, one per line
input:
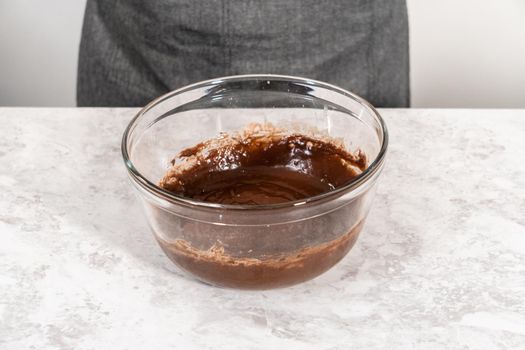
point(253, 246)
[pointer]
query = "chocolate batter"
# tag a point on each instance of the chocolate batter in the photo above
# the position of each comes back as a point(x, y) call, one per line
point(217, 267)
point(263, 165)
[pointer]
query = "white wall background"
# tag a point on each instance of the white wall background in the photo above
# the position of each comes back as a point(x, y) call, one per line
point(38, 51)
point(464, 53)
point(467, 53)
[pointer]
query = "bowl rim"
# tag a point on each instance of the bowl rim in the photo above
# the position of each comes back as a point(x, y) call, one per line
point(157, 191)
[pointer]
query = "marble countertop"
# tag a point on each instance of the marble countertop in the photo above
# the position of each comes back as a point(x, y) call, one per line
point(440, 263)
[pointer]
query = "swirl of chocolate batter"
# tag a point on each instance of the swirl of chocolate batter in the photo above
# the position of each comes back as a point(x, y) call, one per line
point(263, 165)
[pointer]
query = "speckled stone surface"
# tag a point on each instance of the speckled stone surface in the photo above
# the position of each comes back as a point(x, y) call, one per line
point(440, 263)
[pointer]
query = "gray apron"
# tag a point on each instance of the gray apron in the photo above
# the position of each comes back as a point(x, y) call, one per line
point(133, 51)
